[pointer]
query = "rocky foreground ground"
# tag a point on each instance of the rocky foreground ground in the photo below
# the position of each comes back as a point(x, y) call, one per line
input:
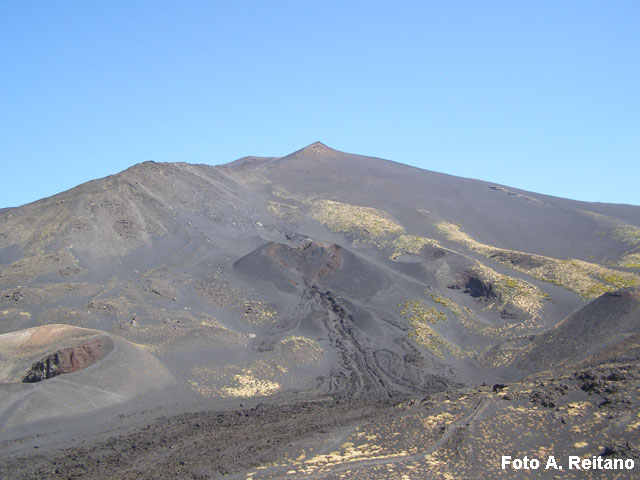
point(592, 411)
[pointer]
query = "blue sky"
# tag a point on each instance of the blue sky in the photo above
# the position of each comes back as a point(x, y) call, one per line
point(543, 96)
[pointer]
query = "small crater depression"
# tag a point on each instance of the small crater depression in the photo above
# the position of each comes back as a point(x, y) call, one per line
point(69, 360)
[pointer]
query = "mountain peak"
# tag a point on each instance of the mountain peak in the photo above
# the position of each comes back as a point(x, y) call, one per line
point(315, 148)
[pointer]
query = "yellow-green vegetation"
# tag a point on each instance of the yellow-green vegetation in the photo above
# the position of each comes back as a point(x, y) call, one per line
point(281, 192)
point(464, 315)
point(630, 260)
point(634, 425)
point(48, 293)
point(460, 312)
point(13, 319)
point(219, 292)
point(410, 245)
point(623, 232)
point(362, 222)
point(378, 443)
point(284, 211)
point(348, 453)
point(301, 349)
point(36, 227)
point(519, 293)
point(257, 313)
point(258, 378)
point(417, 311)
point(504, 331)
point(587, 279)
point(30, 267)
point(421, 317)
point(628, 234)
point(22, 314)
point(462, 434)
point(247, 385)
point(455, 234)
point(499, 357)
point(395, 448)
point(244, 384)
point(173, 335)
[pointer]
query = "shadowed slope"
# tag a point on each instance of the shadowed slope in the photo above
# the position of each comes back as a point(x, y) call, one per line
point(602, 323)
point(313, 263)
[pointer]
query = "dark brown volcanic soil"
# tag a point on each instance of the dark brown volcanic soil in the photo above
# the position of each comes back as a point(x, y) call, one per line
point(314, 263)
point(391, 322)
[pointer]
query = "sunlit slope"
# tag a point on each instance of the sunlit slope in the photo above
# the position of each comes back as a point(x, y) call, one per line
point(501, 216)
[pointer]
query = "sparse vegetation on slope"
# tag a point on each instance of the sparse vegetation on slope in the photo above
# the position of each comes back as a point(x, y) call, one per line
point(284, 211)
point(630, 260)
point(501, 291)
point(172, 335)
point(285, 194)
point(421, 317)
point(255, 379)
point(623, 232)
point(460, 312)
point(61, 263)
point(518, 301)
point(519, 293)
point(362, 222)
point(410, 244)
point(256, 312)
point(587, 279)
point(628, 234)
point(302, 349)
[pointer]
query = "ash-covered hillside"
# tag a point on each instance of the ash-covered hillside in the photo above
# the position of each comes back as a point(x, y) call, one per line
point(320, 276)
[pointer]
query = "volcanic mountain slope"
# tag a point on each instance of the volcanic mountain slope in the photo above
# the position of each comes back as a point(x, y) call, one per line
point(605, 324)
point(493, 214)
point(318, 276)
point(587, 408)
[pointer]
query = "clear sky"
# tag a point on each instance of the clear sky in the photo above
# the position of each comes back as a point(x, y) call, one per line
point(539, 95)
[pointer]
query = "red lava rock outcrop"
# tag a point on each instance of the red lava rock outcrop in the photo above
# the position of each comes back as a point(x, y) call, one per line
point(317, 260)
point(69, 360)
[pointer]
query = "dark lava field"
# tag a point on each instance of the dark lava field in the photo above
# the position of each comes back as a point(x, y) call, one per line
point(319, 315)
